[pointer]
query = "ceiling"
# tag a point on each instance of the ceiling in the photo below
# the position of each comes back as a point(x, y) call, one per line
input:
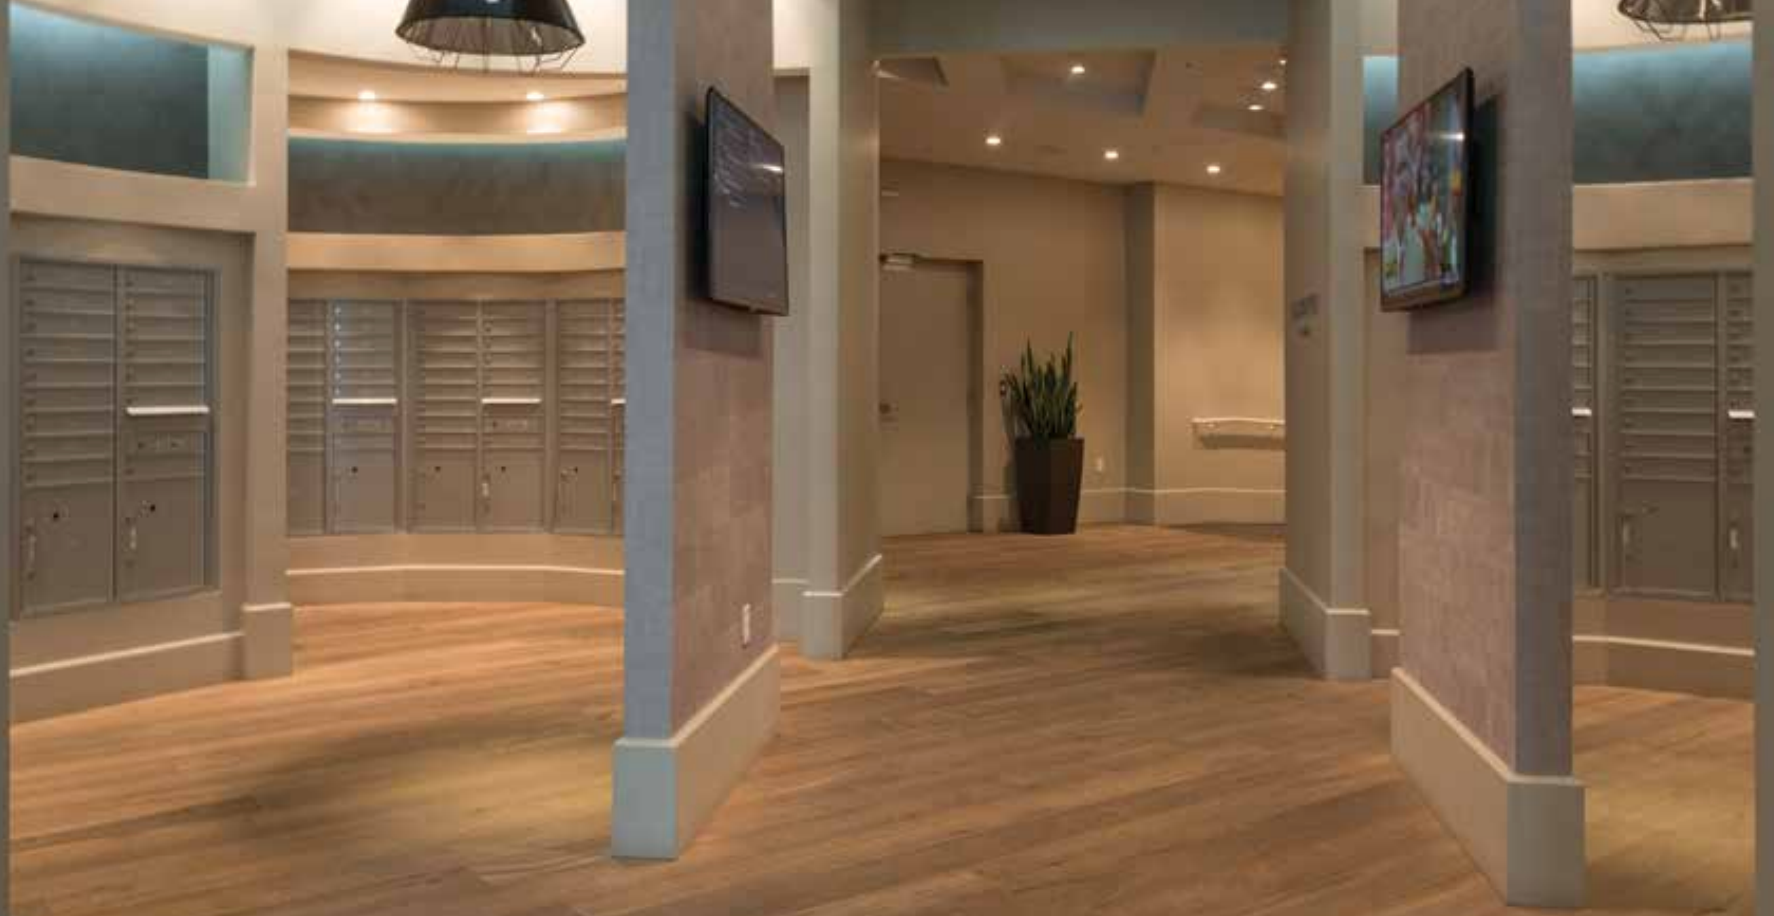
point(1169, 113)
point(318, 76)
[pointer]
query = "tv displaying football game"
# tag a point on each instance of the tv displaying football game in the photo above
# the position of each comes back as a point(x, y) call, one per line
point(1426, 201)
point(747, 211)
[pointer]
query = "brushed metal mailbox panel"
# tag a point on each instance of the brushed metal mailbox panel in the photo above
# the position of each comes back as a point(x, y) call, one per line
point(164, 512)
point(446, 416)
point(68, 424)
point(588, 367)
point(514, 417)
point(363, 427)
point(1738, 576)
point(1667, 435)
point(1584, 504)
point(306, 385)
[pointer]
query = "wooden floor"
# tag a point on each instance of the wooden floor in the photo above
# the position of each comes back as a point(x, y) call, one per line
point(1110, 724)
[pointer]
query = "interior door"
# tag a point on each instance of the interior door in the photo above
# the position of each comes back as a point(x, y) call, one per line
point(926, 396)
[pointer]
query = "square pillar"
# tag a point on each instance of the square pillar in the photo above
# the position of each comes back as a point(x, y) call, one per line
point(1481, 716)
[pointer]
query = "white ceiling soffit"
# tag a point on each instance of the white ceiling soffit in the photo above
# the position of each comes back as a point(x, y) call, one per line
point(926, 27)
point(1168, 115)
point(1595, 25)
point(318, 76)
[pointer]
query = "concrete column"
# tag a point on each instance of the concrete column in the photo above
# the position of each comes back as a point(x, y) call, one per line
point(844, 595)
point(267, 619)
point(700, 677)
point(1481, 716)
point(1322, 594)
point(1764, 467)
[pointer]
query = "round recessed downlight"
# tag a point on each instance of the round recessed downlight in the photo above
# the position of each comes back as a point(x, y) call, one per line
point(994, 140)
point(534, 96)
point(1270, 85)
point(1079, 70)
point(1111, 154)
point(367, 95)
point(1255, 106)
point(1214, 169)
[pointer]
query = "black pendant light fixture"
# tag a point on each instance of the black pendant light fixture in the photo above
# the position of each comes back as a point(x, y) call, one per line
point(1670, 20)
point(528, 34)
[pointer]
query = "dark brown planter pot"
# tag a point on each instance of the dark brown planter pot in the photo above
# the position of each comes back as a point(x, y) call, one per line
point(1049, 474)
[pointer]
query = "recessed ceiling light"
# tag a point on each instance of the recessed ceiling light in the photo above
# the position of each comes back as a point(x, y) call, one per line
point(994, 140)
point(1284, 61)
point(1214, 169)
point(1078, 70)
point(1255, 106)
point(367, 95)
point(534, 96)
point(1270, 85)
point(1111, 154)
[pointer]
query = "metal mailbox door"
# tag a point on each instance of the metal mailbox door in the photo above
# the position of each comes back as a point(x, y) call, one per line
point(164, 512)
point(1584, 571)
point(446, 416)
point(363, 429)
point(1668, 436)
point(306, 386)
point(68, 426)
point(1738, 541)
point(514, 434)
point(585, 418)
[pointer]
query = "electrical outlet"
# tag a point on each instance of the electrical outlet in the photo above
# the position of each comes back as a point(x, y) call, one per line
point(745, 626)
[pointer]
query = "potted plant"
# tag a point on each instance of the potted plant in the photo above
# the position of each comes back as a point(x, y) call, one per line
point(1042, 401)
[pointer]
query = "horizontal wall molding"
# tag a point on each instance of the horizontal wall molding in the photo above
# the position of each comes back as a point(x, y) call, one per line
point(105, 679)
point(666, 789)
point(1337, 641)
point(42, 187)
point(1525, 832)
point(577, 252)
point(1625, 217)
point(456, 583)
point(832, 621)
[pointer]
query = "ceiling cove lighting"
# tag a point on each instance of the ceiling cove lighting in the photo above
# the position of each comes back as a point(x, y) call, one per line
point(994, 141)
point(529, 35)
point(1669, 20)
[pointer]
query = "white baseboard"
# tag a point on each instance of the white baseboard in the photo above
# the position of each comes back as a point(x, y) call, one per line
point(268, 640)
point(1525, 832)
point(1337, 641)
point(456, 582)
point(789, 598)
point(1700, 669)
point(89, 682)
point(1206, 506)
point(832, 621)
point(667, 789)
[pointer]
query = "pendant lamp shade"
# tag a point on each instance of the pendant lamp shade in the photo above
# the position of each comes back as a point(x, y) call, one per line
point(536, 32)
point(1672, 18)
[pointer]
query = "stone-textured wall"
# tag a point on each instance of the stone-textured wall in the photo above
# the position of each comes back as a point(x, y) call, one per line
point(1485, 456)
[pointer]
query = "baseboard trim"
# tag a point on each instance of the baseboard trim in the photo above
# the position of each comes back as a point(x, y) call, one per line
point(832, 621)
point(1337, 641)
point(667, 789)
point(789, 598)
point(1699, 669)
point(268, 643)
point(1206, 506)
point(1525, 832)
point(456, 582)
point(89, 682)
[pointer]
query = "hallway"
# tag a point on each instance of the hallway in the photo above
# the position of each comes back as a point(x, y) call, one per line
point(1107, 723)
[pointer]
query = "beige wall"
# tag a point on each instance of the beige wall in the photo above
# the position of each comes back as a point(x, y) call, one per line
point(791, 512)
point(1053, 263)
point(597, 116)
point(1217, 340)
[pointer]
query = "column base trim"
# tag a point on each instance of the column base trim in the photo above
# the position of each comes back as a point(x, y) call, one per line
point(666, 790)
point(832, 621)
point(1524, 832)
point(268, 644)
point(1337, 641)
point(789, 596)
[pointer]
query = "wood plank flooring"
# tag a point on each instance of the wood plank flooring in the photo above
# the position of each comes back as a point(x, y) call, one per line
point(1111, 723)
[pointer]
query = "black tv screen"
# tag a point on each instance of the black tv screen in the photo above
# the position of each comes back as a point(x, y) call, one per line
point(747, 211)
point(1426, 201)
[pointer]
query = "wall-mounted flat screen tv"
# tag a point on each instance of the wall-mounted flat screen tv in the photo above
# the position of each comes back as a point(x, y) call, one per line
point(747, 201)
point(1426, 201)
